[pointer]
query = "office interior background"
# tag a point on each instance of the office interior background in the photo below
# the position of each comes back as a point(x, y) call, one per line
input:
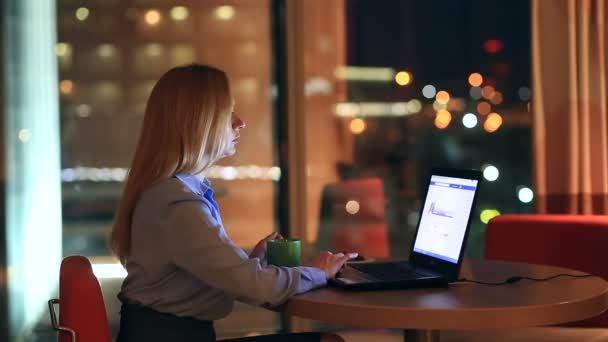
point(384, 90)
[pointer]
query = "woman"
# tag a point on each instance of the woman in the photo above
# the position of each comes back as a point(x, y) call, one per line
point(184, 272)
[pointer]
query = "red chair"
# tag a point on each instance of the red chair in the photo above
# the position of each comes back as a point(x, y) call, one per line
point(369, 239)
point(82, 313)
point(353, 217)
point(572, 241)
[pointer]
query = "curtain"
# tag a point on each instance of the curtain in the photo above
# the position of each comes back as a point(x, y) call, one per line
point(569, 105)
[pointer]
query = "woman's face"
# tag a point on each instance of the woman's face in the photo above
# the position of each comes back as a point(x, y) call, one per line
point(234, 134)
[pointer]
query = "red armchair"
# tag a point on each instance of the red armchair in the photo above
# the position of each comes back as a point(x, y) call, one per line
point(82, 313)
point(572, 241)
point(353, 217)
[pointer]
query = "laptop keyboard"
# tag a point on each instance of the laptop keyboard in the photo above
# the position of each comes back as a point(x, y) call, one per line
point(388, 271)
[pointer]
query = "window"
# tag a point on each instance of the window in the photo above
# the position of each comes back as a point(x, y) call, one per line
point(417, 84)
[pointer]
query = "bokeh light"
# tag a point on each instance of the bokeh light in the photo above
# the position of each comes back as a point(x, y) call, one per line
point(442, 97)
point(25, 135)
point(414, 106)
point(443, 119)
point(493, 46)
point(496, 98)
point(82, 13)
point(525, 194)
point(357, 126)
point(429, 91)
point(483, 108)
point(352, 207)
point(105, 50)
point(488, 214)
point(524, 93)
point(469, 120)
point(83, 110)
point(475, 93)
point(475, 79)
point(66, 87)
point(152, 17)
point(225, 12)
point(179, 13)
point(487, 92)
point(492, 123)
point(153, 49)
point(403, 78)
point(63, 49)
point(490, 172)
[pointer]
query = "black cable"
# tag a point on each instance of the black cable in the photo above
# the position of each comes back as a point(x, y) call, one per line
point(515, 279)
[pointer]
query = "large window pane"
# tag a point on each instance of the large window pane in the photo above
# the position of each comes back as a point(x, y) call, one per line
point(110, 54)
point(421, 84)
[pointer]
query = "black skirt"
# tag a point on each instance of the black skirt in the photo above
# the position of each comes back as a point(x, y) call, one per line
point(139, 323)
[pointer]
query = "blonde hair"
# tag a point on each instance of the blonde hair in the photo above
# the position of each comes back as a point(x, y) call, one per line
point(184, 131)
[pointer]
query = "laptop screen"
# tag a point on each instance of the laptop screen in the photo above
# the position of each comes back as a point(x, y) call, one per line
point(445, 216)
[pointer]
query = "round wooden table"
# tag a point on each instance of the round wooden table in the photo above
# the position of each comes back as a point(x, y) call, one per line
point(423, 312)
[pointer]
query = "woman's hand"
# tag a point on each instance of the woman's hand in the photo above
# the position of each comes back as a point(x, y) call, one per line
point(259, 251)
point(331, 263)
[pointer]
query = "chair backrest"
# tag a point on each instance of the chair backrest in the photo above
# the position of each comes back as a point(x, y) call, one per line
point(353, 217)
point(81, 305)
point(367, 196)
point(572, 241)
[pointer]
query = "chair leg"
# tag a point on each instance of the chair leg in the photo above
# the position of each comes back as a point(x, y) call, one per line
point(54, 322)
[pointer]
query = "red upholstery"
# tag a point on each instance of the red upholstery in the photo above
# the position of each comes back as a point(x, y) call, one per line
point(367, 192)
point(81, 306)
point(369, 239)
point(364, 229)
point(573, 241)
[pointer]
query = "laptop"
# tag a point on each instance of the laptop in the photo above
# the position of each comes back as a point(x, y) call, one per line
point(439, 243)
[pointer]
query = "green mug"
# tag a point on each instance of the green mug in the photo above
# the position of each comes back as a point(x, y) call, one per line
point(284, 252)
